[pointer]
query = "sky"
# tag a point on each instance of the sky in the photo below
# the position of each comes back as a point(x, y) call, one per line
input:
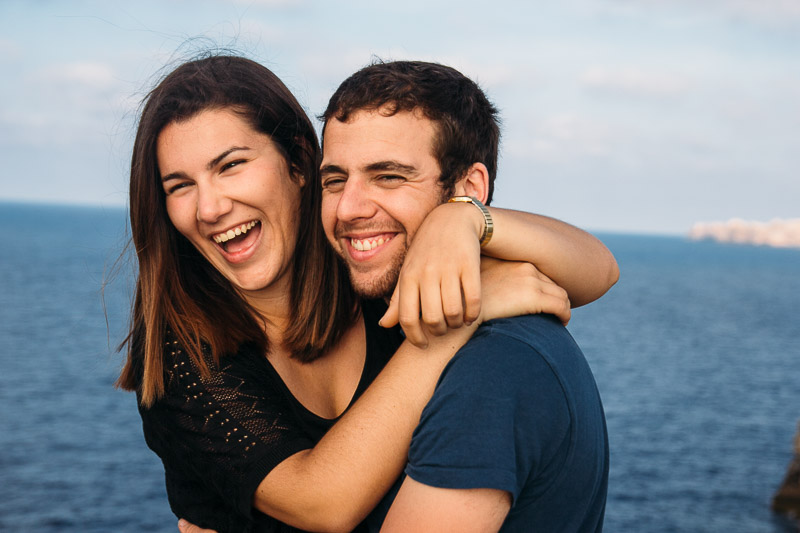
point(635, 116)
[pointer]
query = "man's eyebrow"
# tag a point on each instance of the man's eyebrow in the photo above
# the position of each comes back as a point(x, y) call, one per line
point(378, 166)
point(391, 166)
point(211, 164)
point(331, 169)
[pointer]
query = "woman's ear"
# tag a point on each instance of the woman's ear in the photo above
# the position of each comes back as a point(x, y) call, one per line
point(474, 183)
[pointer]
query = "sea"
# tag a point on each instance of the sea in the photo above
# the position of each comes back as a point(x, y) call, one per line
point(696, 352)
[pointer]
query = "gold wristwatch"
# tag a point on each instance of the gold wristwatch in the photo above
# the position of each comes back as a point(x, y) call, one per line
point(488, 226)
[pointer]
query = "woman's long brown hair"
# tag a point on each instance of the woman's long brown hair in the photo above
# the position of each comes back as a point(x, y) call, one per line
point(176, 288)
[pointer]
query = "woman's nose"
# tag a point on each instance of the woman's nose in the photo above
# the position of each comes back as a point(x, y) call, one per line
point(212, 203)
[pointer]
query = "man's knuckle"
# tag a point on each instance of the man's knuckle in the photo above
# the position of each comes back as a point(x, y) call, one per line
point(452, 310)
point(432, 322)
point(472, 300)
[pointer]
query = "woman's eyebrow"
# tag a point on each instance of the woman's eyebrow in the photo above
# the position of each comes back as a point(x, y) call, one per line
point(211, 164)
point(214, 162)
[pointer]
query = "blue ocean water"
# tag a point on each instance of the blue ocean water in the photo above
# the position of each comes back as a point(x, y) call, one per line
point(695, 352)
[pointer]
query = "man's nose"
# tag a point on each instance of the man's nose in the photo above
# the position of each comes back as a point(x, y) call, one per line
point(355, 201)
point(212, 203)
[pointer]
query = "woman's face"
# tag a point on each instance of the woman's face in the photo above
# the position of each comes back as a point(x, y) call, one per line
point(229, 191)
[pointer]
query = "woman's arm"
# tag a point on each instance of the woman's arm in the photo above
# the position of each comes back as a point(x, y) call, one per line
point(222, 432)
point(574, 259)
point(439, 285)
point(334, 485)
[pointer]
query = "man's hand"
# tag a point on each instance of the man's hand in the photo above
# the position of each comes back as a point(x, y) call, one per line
point(187, 527)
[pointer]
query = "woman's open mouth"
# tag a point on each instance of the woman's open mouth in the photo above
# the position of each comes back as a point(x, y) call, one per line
point(237, 239)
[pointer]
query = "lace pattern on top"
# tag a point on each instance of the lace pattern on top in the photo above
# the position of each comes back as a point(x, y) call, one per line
point(220, 436)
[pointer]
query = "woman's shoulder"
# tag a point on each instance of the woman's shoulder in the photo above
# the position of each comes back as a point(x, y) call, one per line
point(246, 362)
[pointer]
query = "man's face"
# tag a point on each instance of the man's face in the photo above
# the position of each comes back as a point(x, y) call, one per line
point(379, 181)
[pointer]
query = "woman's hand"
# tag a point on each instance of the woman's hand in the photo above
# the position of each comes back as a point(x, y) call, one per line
point(512, 288)
point(440, 281)
point(184, 526)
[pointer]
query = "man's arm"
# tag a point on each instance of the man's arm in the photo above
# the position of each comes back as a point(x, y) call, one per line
point(421, 508)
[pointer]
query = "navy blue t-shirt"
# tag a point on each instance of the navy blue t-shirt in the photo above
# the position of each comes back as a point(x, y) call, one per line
point(517, 409)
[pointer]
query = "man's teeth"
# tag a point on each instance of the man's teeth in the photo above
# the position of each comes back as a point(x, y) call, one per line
point(366, 245)
point(234, 232)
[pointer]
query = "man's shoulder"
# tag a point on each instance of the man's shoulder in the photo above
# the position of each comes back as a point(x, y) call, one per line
point(510, 349)
point(541, 332)
point(524, 349)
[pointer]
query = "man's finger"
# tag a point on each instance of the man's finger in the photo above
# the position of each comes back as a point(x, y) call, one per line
point(392, 315)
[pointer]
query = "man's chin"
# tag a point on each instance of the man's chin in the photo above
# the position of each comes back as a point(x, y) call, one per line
point(372, 281)
point(371, 288)
point(375, 283)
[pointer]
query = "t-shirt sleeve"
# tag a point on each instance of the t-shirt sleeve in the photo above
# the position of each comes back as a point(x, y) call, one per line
point(225, 432)
point(498, 413)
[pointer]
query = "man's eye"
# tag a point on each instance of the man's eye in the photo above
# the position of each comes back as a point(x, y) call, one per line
point(390, 178)
point(333, 183)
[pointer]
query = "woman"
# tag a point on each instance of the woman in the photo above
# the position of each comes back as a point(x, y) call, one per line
point(247, 344)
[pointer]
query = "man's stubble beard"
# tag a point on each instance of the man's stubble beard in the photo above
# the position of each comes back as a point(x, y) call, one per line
point(381, 286)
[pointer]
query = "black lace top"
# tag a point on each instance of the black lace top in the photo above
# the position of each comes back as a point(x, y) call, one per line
point(218, 438)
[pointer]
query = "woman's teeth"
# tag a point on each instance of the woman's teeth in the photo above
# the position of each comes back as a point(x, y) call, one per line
point(234, 232)
point(365, 245)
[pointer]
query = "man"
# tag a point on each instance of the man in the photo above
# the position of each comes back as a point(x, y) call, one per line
point(515, 435)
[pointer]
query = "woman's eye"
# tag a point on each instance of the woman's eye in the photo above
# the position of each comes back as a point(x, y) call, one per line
point(232, 164)
point(177, 186)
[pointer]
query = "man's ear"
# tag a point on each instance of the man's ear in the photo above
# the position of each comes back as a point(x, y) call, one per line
point(474, 183)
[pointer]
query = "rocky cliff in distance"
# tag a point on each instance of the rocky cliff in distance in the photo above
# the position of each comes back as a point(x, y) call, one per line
point(778, 233)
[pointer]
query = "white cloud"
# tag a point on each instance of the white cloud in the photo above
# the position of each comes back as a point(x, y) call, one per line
point(61, 103)
point(562, 137)
point(634, 81)
point(86, 74)
point(769, 12)
point(268, 3)
point(9, 50)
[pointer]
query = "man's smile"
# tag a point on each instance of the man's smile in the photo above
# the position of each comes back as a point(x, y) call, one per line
point(371, 243)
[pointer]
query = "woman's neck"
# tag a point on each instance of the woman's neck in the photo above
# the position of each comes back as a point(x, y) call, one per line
point(273, 309)
point(327, 385)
